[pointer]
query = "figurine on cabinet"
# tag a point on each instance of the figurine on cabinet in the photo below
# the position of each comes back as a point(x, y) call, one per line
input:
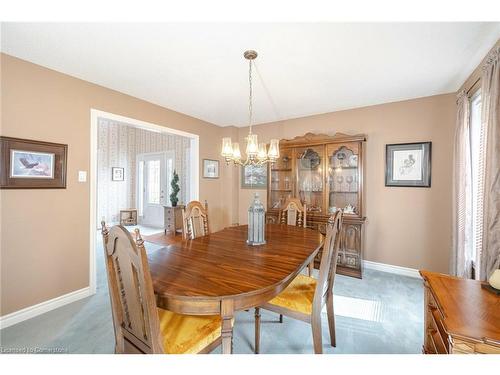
point(349, 209)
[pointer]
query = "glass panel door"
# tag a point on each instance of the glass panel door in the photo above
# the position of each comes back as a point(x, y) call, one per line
point(309, 162)
point(343, 178)
point(281, 184)
point(155, 174)
point(153, 181)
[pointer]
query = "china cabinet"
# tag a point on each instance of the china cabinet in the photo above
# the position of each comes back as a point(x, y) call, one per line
point(326, 174)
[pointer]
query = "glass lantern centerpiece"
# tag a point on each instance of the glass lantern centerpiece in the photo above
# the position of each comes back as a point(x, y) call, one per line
point(256, 222)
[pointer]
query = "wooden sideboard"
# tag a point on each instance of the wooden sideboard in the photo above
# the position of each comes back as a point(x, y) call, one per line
point(460, 316)
point(173, 219)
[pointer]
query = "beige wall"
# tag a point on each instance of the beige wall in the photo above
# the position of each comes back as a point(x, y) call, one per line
point(408, 227)
point(45, 233)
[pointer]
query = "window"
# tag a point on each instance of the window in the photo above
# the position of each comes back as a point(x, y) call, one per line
point(140, 188)
point(153, 183)
point(477, 161)
point(170, 175)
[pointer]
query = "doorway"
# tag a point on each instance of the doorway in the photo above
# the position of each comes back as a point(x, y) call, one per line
point(154, 175)
point(145, 188)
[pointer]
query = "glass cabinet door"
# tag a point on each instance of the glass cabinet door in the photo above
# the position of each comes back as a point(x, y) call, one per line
point(343, 178)
point(281, 184)
point(309, 168)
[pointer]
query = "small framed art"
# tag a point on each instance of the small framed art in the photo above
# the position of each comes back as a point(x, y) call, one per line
point(117, 174)
point(29, 164)
point(210, 168)
point(408, 164)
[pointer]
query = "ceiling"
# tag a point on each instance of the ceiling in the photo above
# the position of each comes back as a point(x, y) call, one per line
point(302, 69)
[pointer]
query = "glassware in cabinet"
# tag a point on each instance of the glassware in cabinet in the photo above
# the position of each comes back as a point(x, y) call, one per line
point(343, 178)
point(281, 184)
point(309, 176)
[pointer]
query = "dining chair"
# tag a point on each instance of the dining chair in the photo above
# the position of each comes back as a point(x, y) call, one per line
point(195, 220)
point(295, 213)
point(305, 297)
point(140, 326)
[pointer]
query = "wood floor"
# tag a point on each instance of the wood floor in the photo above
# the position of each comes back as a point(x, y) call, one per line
point(162, 238)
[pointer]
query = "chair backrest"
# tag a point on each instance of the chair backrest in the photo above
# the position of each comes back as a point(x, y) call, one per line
point(293, 213)
point(195, 220)
point(135, 315)
point(328, 263)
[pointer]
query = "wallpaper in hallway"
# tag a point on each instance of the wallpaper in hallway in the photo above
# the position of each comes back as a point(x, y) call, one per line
point(118, 146)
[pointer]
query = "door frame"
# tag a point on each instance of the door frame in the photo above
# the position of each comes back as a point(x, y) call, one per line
point(194, 172)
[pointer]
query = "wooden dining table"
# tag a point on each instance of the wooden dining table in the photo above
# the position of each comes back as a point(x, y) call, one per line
point(219, 274)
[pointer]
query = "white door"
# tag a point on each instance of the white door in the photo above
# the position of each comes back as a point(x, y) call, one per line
point(154, 173)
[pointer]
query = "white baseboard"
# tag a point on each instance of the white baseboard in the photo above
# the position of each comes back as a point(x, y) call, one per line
point(43, 307)
point(398, 270)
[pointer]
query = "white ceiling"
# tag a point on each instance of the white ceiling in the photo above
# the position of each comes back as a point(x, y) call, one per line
point(302, 69)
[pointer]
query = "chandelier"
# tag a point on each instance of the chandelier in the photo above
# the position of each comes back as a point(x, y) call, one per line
point(256, 153)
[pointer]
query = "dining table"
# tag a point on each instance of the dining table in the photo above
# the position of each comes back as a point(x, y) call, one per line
point(220, 274)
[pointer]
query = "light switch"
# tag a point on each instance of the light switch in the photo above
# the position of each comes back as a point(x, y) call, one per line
point(82, 176)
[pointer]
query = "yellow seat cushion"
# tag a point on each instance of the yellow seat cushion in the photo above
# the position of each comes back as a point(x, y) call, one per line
point(297, 296)
point(188, 334)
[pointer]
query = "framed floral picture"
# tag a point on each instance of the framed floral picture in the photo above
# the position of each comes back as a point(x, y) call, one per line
point(30, 164)
point(408, 164)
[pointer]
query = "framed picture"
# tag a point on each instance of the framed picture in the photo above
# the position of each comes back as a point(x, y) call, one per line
point(117, 174)
point(254, 177)
point(29, 164)
point(210, 168)
point(408, 164)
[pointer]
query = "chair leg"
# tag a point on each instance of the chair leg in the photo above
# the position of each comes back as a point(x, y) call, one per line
point(119, 345)
point(257, 330)
point(311, 268)
point(281, 318)
point(331, 319)
point(316, 332)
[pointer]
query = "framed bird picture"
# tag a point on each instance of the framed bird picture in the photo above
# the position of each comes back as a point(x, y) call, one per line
point(408, 164)
point(30, 164)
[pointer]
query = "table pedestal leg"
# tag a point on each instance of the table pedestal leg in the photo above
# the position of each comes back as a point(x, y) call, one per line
point(227, 314)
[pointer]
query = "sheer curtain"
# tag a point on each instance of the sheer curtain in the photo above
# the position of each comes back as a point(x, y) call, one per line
point(490, 82)
point(461, 258)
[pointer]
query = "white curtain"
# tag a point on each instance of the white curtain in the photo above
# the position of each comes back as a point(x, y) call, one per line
point(461, 258)
point(490, 93)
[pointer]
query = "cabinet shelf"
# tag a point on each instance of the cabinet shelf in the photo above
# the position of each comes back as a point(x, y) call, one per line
point(335, 168)
point(284, 190)
point(281, 169)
